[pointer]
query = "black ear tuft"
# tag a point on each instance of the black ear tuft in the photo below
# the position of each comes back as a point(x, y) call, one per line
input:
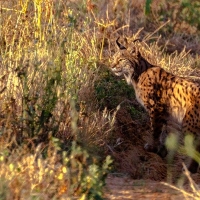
point(138, 39)
point(120, 45)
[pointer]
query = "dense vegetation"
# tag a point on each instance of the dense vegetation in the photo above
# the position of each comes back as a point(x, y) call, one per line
point(58, 101)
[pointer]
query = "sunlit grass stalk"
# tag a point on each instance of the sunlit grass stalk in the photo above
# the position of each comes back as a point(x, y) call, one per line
point(38, 15)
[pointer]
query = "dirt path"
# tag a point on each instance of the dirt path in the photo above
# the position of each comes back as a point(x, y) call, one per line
point(125, 188)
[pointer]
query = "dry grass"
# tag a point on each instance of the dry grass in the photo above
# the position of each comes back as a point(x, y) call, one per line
point(193, 192)
point(52, 57)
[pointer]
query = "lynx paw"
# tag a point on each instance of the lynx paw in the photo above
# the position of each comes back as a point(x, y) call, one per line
point(150, 148)
point(162, 151)
point(158, 149)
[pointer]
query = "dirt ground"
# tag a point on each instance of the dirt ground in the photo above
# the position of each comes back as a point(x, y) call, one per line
point(124, 188)
point(141, 172)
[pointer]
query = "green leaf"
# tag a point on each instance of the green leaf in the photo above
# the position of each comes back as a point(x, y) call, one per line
point(148, 7)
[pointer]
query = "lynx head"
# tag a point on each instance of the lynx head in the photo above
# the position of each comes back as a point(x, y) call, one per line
point(125, 61)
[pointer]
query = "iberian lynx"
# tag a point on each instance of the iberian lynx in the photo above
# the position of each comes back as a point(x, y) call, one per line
point(163, 95)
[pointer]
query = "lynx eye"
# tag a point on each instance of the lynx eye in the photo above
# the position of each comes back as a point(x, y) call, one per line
point(132, 51)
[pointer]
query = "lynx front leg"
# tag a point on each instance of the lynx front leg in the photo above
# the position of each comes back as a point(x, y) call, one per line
point(157, 120)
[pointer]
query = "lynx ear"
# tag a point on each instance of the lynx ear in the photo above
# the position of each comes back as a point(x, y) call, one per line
point(120, 46)
point(135, 50)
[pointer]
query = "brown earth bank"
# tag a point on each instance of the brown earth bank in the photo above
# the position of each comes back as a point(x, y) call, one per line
point(140, 173)
point(131, 158)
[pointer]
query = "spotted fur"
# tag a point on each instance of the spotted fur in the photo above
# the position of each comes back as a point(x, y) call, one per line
point(164, 96)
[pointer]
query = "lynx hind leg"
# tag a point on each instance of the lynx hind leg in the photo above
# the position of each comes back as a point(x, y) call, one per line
point(193, 164)
point(192, 126)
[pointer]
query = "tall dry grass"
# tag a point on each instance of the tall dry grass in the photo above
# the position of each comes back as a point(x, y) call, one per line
point(49, 60)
